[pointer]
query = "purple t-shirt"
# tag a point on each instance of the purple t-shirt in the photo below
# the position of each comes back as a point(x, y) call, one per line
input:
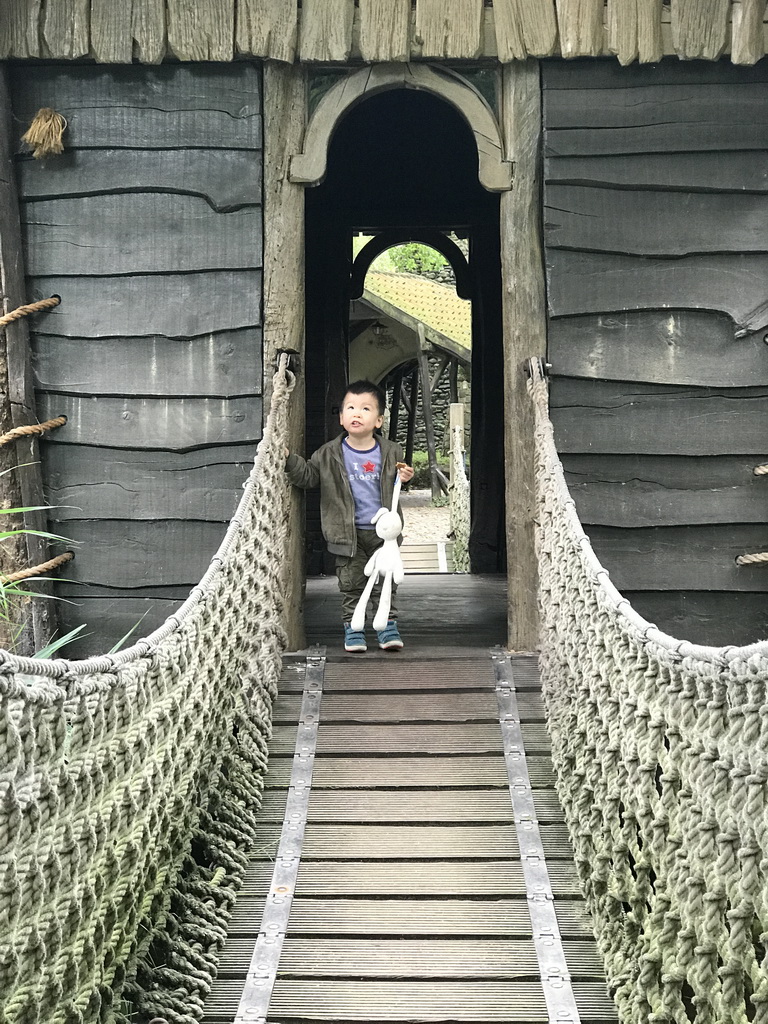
point(364, 472)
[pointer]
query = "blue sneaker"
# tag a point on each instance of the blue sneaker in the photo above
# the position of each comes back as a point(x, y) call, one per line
point(354, 640)
point(389, 638)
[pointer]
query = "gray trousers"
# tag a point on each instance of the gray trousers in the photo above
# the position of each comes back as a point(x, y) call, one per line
point(350, 572)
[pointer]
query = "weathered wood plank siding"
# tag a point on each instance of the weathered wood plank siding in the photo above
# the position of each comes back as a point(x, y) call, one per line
point(150, 229)
point(381, 30)
point(657, 260)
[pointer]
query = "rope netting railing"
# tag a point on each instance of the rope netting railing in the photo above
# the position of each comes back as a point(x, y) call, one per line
point(130, 785)
point(661, 751)
point(458, 493)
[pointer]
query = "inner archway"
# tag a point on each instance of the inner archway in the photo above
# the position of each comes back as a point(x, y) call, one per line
point(404, 160)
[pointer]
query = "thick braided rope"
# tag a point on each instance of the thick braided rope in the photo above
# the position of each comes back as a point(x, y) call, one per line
point(32, 428)
point(661, 751)
point(459, 503)
point(31, 307)
point(131, 783)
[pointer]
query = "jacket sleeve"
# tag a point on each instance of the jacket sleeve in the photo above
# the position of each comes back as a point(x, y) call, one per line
point(301, 472)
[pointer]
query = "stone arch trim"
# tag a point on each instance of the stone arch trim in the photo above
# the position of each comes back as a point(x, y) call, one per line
point(397, 236)
point(494, 172)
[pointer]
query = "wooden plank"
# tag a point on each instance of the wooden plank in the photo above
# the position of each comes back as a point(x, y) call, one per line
point(169, 423)
point(524, 29)
point(127, 554)
point(723, 130)
point(700, 28)
point(19, 32)
point(717, 618)
point(86, 593)
point(688, 172)
point(385, 30)
point(360, 772)
point(450, 958)
point(318, 879)
point(267, 28)
point(580, 25)
point(338, 917)
point(22, 485)
point(284, 114)
point(653, 419)
point(325, 31)
point(671, 346)
point(149, 30)
point(514, 1002)
point(201, 31)
point(111, 32)
point(609, 75)
point(133, 107)
point(422, 806)
point(682, 557)
point(598, 283)
point(405, 739)
point(160, 233)
point(747, 35)
point(173, 305)
point(634, 30)
point(449, 28)
point(223, 364)
point(409, 707)
point(524, 337)
point(638, 490)
point(439, 674)
point(651, 223)
point(226, 178)
point(86, 482)
point(65, 29)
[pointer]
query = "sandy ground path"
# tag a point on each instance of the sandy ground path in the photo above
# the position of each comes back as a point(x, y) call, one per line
point(424, 524)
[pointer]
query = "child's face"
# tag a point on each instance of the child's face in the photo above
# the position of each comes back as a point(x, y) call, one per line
point(360, 415)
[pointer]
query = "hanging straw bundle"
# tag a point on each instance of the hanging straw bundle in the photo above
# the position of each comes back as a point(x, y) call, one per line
point(44, 134)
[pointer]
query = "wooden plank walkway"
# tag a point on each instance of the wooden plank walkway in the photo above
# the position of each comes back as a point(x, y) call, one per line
point(410, 902)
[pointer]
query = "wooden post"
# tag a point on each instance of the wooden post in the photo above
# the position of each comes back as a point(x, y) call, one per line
point(454, 380)
point(426, 402)
point(284, 107)
point(414, 403)
point(455, 419)
point(524, 313)
point(22, 487)
point(394, 410)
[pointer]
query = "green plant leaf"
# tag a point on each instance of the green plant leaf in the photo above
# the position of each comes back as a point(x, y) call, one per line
point(133, 629)
point(58, 643)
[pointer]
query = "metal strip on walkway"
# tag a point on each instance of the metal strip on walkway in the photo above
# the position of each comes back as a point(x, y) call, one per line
point(262, 973)
point(555, 976)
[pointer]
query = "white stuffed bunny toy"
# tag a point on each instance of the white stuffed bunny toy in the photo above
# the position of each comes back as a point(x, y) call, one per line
point(385, 562)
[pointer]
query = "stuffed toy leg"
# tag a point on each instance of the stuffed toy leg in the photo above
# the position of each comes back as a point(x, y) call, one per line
point(385, 562)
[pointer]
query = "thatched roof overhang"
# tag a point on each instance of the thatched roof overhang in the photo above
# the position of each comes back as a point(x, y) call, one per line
point(348, 31)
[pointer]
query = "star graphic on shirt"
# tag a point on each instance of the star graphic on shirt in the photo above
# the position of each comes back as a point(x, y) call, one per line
point(369, 466)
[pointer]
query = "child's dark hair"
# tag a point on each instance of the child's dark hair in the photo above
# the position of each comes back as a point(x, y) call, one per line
point(367, 387)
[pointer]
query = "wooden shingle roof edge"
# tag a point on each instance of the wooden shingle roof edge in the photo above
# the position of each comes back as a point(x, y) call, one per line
point(349, 31)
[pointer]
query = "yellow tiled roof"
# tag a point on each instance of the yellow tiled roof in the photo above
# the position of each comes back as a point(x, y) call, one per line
point(436, 305)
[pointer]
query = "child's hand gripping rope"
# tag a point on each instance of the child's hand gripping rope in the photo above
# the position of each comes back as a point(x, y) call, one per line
point(385, 562)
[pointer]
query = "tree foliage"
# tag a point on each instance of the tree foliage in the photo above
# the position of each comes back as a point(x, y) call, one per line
point(414, 258)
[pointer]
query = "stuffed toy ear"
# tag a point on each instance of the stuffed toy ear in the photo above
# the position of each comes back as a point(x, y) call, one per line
point(379, 514)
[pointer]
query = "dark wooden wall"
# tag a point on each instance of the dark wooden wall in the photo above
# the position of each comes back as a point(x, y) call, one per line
point(149, 227)
point(655, 224)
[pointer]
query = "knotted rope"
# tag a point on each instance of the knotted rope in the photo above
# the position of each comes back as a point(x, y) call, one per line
point(131, 783)
point(32, 428)
point(32, 307)
point(661, 751)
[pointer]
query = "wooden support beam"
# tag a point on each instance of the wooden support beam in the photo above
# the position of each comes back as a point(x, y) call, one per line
point(454, 378)
point(524, 312)
point(284, 105)
point(394, 409)
point(429, 426)
point(437, 376)
point(413, 399)
point(22, 487)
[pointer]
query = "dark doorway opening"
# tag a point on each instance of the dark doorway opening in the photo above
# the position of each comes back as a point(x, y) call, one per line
point(406, 160)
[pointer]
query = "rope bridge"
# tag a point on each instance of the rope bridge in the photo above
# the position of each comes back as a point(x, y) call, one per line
point(661, 751)
point(130, 785)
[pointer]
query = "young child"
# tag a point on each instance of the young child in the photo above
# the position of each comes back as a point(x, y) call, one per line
point(356, 474)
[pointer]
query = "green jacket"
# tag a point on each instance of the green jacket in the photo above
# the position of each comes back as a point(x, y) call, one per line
point(337, 507)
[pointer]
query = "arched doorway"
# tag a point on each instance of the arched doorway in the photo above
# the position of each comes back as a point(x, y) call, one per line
point(403, 160)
